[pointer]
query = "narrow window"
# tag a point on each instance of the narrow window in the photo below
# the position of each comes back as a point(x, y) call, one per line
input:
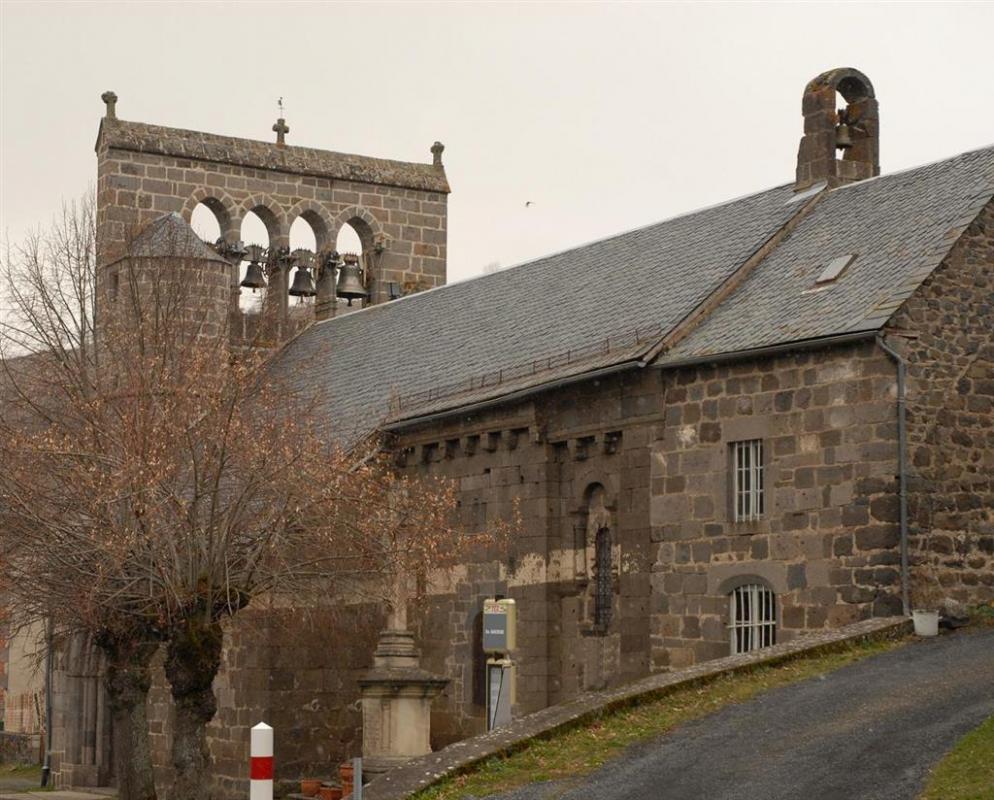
point(602, 576)
point(747, 476)
point(115, 282)
point(752, 618)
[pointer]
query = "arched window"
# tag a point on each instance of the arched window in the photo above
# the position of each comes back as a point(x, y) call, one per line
point(602, 578)
point(752, 617)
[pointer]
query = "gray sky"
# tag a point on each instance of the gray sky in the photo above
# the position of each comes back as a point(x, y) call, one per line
point(606, 116)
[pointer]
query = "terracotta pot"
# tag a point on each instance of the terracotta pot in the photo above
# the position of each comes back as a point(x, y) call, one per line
point(345, 773)
point(330, 793)
point(310, 787)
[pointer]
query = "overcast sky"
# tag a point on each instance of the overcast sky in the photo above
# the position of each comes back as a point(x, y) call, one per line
point(606, 116)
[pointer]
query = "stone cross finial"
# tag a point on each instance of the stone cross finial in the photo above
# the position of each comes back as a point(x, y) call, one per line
point(436, 153)
point(282, 129)
point(110, 99)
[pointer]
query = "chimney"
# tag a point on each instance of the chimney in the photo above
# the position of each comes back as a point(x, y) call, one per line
point(851, 133)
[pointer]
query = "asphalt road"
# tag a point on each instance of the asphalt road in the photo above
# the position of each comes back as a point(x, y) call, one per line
point(869, 731)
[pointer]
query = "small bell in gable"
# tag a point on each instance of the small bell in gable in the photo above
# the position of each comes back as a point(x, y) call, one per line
point(843, 139)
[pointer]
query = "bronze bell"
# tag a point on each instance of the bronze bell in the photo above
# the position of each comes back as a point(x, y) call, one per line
point(350, 284)
point(842, 139)
point(303, 283)
point(254, 278)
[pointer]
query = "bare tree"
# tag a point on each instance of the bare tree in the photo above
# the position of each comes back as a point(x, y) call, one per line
point(155, 483)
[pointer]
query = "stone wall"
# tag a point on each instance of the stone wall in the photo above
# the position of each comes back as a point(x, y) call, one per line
point(20, 748)
point(951, 417)
point(296, 670)
point(826, 543)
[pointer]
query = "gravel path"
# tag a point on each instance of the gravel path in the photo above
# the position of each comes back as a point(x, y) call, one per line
point(869, 731)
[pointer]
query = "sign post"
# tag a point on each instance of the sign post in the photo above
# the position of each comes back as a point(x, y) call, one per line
point(499, 639)
point(261, 763)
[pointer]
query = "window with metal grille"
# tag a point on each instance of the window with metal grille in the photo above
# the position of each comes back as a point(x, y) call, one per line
point(747, 475)
point(752, 618)
point(602, 578)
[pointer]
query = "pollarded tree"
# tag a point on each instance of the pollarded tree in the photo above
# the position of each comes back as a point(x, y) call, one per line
point(155, 482)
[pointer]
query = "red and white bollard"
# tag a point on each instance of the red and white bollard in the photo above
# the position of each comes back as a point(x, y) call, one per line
point(261, 768)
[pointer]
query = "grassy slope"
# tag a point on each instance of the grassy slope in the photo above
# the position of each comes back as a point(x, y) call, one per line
point(967, 773)
point(580, 750)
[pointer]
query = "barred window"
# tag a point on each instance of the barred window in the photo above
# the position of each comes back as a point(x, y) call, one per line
point(752, 618)
point(602, 578)
point(747, 474)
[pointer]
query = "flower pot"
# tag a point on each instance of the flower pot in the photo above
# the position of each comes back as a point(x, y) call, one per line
point(330, 793)
point(926, 622)
point(310, 787)
point(345, 773)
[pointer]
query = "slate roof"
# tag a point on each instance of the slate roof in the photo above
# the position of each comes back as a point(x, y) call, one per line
point(609, 302)
point(899, 226)
point(170, 236)
point(180, 143)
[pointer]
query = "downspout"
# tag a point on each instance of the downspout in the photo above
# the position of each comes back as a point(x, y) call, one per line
point(46, 769)
point(902, 464)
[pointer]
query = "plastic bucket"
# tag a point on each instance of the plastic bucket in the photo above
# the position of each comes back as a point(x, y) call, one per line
point(926, 623)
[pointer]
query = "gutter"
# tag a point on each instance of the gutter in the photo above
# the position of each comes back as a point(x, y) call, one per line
point(769, 350)
point(46, 769)
point(902, 459)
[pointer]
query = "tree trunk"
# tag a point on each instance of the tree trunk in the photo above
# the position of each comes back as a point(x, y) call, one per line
point(193, 660)
point(128, 681)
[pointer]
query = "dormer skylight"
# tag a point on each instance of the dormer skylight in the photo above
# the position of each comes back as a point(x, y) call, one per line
point(835, 268)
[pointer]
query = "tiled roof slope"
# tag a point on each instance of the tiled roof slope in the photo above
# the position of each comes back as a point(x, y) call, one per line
point(144, 138)
point(899, 227)
point(577, 311)
point(645, 280)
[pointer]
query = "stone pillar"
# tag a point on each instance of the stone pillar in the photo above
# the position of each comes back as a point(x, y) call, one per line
point(396, 703)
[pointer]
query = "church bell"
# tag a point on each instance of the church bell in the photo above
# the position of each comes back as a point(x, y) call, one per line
point(254, 278)
point(843, 141)
point(303, 283)
point(350, 286)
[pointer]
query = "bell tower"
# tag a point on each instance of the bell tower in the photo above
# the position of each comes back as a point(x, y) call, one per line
point(840, 145)
point(398, 210)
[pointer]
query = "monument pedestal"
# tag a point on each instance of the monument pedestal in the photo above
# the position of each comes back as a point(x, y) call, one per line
point(396, 704)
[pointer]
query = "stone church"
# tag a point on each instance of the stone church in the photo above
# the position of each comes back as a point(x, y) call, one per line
point(781, 415)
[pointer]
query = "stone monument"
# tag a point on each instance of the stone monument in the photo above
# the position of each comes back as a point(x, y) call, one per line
point(396, 698)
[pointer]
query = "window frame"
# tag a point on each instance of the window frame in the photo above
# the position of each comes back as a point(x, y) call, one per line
point(748, 480)
point(752, 617)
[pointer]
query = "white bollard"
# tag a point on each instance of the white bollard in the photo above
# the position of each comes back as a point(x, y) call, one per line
point(261, 763)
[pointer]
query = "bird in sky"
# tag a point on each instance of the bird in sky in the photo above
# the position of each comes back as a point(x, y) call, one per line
point(528, 203)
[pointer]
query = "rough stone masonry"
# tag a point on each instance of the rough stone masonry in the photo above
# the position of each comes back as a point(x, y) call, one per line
point(622, 453)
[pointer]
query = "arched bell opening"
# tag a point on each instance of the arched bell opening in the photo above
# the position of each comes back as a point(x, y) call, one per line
point(207, 223)
point(353, 242)
point(253, 273)
point(303, 248)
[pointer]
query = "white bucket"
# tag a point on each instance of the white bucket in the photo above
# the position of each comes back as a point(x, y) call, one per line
point(926, 623)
